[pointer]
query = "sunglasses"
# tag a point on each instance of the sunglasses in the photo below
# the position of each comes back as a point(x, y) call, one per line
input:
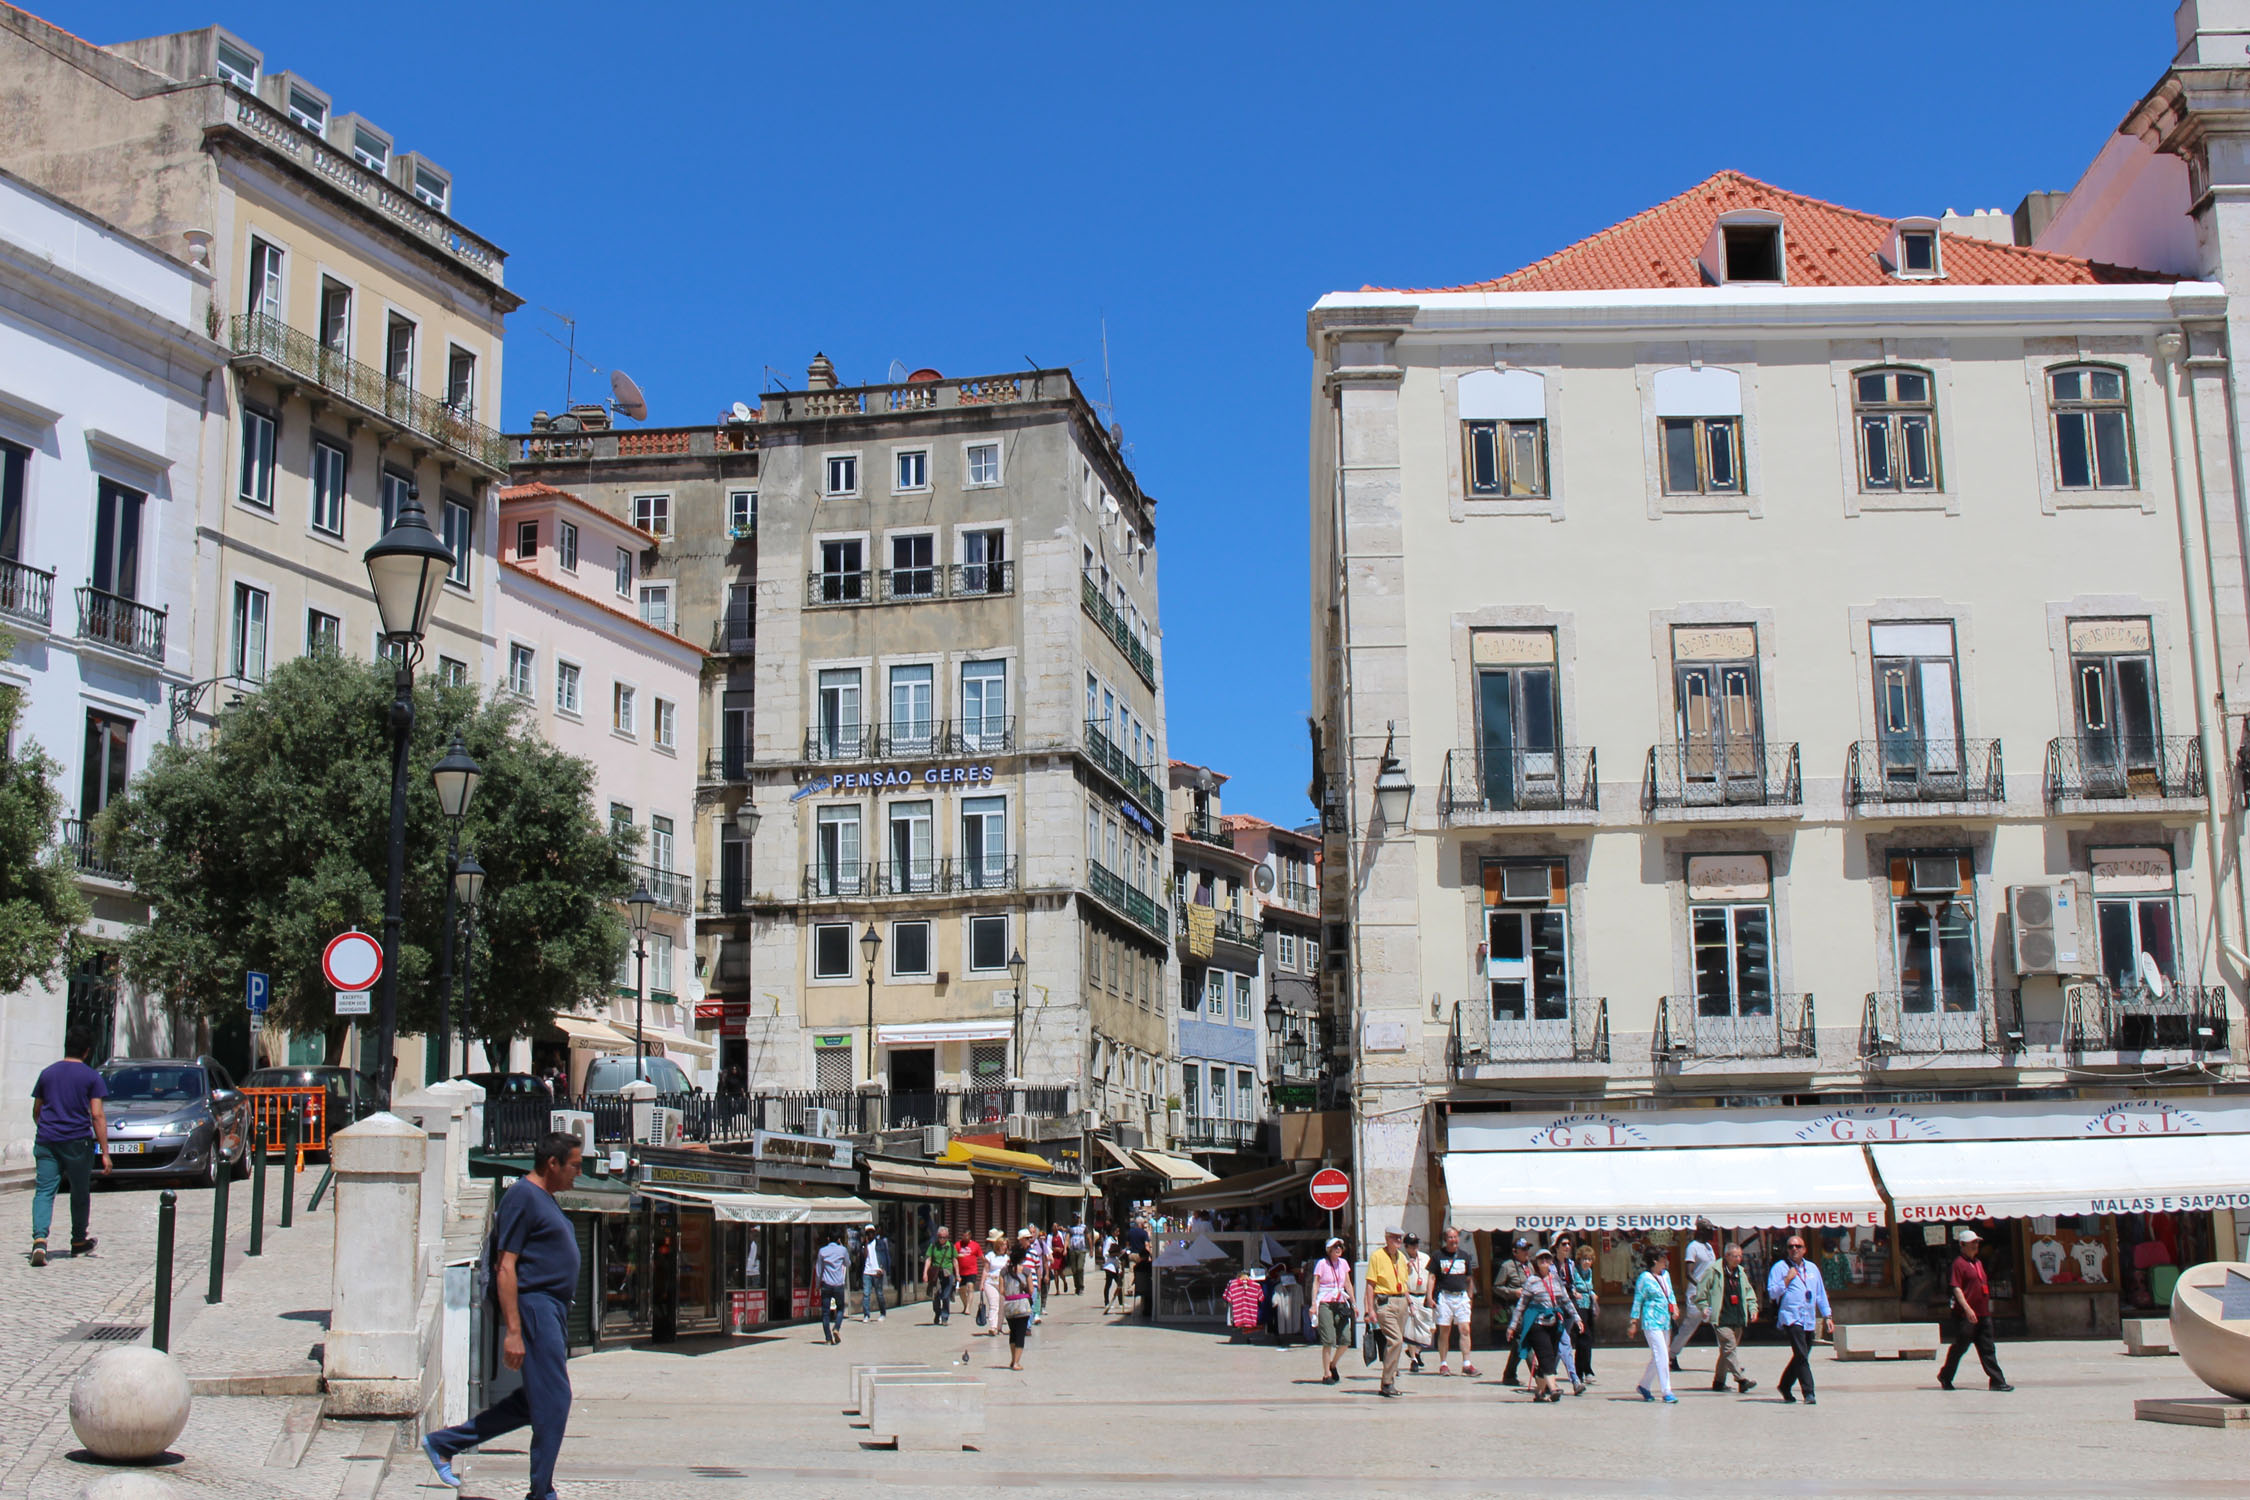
point(1796, 1244)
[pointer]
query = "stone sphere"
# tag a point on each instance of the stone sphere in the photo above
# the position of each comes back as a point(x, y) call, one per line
point(128, 1404)
point(2215, 1345)
point(128, 1487)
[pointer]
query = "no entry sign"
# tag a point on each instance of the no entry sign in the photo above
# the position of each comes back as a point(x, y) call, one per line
point(352, 961)
point(1331, 1189)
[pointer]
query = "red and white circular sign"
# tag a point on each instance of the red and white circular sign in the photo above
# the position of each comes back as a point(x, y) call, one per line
point(352, 961)
point(1331, 1189)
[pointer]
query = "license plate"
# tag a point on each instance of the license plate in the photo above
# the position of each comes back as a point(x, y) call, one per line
point(127, 1148)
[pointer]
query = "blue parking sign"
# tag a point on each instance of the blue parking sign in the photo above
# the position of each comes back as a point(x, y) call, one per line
point(254, 988)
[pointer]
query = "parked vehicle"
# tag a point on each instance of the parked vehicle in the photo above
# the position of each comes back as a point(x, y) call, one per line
point(174, 1117)
point(509, 1085)
point(349, 1096)
point(608, 1075)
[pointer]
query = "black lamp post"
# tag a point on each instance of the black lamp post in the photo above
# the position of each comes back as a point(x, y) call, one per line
point(456, 780)
point(1016, 968)
point(405, 568)
point(870, 944)
point(468, 885)
point(642, 905)
point(1276, 1018)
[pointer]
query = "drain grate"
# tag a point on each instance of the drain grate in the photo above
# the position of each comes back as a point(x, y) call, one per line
point(104, 1333)
point(715, 1471)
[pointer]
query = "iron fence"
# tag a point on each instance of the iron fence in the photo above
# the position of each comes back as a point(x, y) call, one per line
point(1893, 771)
point(1504, 779)
point(1691, 1028)
point(1573, 1029)
point(2126, 768)
point(1729, 775)
point(1921, 1023)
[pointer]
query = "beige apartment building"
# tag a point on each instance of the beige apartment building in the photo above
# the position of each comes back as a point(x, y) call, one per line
point(362, 319)
point(1778, 668)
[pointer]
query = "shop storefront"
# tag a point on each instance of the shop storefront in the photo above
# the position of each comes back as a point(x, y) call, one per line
point(2089, 1207)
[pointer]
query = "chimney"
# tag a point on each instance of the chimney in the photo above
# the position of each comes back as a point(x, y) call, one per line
point(820, 375)
point(2211, 32)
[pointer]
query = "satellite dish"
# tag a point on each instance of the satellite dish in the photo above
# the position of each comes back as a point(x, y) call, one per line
point(2152, 974)
point(1262, 878)
point(741, 411)
point(896, 375)
point(1117, 434)
point(628, 396)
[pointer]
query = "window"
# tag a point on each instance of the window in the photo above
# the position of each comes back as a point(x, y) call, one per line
point(843, 474)
point(1702, 455)
point(912, 729)
point(621, 709)
point(836, 867)
point(235, 66)
point(265, 280)
point(843, 579)
point(984, 556)
point(335, 317)
point(521, 678)
point(1191, 1089)
point(431, 187)
point(370, 150)
point(984, 706)
point(1730, 933)
point(988, 1063)
point(387, 649)
point(1519, 719)
point(910, 950)
point(566, 546)
point(452, 671)
point(913, 868)
point(1245, 1094)
point(662, 845)
point(398, 351)
point(323, 632)
point(988, 945)
point(1215, 996)
point(1917, 252)
point(624, 569)
point(913, 470)
point(460, 380)
point(2113, 698)
point(1934, 931)
point(308, 109)
point(914, 567)
point(742, 514)
point(1215, 1108)
point(620, 824)
point(832, 959)
point(1242, 999)
point(1897, 429)
point(15, 468)
point(1526, 956)
point(459, 542)
point(667, 724)
point(1504, 433)
point(653, 514)
point(1722, 750)
point(527, 540)
point(984, 842)
point(656, 605)
point(108, 763)
point(839, 725)
point(257, 458)
point(330, 463)
point(2093, 428)
point(247, 652)
point(392, 494)
point(983, 464)
point(566, 688)
point(1285, 950)
point(117, 543)
point(2133, 909)
point(1753, 252)
point(660, 963)
point(1917, 701)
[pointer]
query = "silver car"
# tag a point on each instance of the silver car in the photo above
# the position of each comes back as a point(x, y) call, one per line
point(174, 1117)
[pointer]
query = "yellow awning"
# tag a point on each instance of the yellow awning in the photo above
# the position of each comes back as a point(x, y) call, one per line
point(594, 1036)
point(994, 1160)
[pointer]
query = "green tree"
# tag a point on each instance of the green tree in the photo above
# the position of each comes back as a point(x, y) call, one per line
point(261, 843)
point(40, 905)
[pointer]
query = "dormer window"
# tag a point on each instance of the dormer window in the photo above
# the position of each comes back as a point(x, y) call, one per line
point(1753, 252)
point(1914, 253)
point(370, 150)
point(233, 65)
point(308, 109)
point(431, 187)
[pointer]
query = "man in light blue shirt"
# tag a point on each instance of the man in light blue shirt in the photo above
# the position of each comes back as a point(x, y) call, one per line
point(1800, 1300)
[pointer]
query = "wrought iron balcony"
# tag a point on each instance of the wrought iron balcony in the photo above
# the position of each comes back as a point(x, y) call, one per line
point(1206, 831)
point(1226, 926)
point(1137, 781)
point(1501, 779)
point(2186, 1018)
point(1560, 1029)
point(1136, 905)
point(1117, 628)
point(1759, 775)
point(1918, 1023)
point(823, 587)
point(1217, 1133)
point(27, 593)
point(979, 580)
point(120, 623)
point(735, 633)
point(83, 848)
point(914, 739)
point(914, 877)
point(1299, 895)
point(913, 583)
point(674, 890)
point(994, 734)
point(727, 765)
point(988, 872)
point(1690, 1030)
point(2126, 768)
point(840, 742)
point(725, 899)
point(835, 882)
point(1905, 772)
point(296, 356)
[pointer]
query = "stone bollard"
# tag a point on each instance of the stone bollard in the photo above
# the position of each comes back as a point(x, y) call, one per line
point(433, 1113)
point(373, 1363)
point(467, 1134)
point(128, 1404)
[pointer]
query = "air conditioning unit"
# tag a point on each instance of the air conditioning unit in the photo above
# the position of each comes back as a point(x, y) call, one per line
point(2046, 931)
point(1526, 883)
point(827, 1122)
point(934, 1140)
point(1934, 875)
point(659, 1126)
point(1019, 1127)
point(577, 1122)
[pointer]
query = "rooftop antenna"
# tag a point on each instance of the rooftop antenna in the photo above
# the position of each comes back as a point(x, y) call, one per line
point(627, 397)
point(570, 367)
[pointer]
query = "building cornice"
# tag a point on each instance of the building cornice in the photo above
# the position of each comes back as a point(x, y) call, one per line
point(57, 290)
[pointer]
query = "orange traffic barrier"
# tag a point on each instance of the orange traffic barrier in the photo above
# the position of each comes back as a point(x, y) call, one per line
point(270, 1109)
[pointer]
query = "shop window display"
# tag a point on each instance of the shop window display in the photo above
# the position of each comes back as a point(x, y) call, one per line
point(1927, 1251)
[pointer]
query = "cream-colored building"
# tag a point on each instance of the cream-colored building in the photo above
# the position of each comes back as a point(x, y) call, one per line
point(1792, 631)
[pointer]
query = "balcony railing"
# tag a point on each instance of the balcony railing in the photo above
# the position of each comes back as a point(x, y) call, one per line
point(927, 582)
point(1205, 831)
point(833, 882)
point(912, 585)
point(735, 633)
point(27, 593)
point(1748, 776)
point(840, 587)
point(1779, 1026)
point(724, 899)
point(1227, 926)
point(674, 890)
point(1137, 905)
point(1117, 628)
point(1918, 1023)
point(2184, 1018)
point(840, 742)
point(1217, 1133)
point(982, 580)
point(994, 734)
point(1300, 895)
point(1903, 771)
point(991, 872)
point(1501, 779)
point(273, 343)
point(552, 445)
point(1137, 781)
point(729, 763)
point(124, 624)
point(914, 877)
point(2128, 768)
point(82, 847)
point(1565, 1029)
point(915, 739)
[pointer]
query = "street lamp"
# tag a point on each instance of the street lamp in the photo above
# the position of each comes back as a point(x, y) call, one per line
point(468, 885)
point(456, 779)
point(1294, 1050)
point(405, 568)
point(1016, 967)
point(870, 944)
point(1393, 791)
point(642, 905)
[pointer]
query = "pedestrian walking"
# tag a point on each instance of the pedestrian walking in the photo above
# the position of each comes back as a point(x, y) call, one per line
point(1727, 1297)
point(1536, 1325)
point(534, 1274)
point(939, 1260)
point(1972, 1310)
point(1075, 1259)
point(1701, 1254)
point(1800, 1300)
point(874, 1270)
point(1452, 1288)
point(66, 1101)
point(995, 1261)
point(1654, 1310)
point(1507, 1283)
point(832, 1269)
point(1386, 1303)
point(1421, 1318)
point(1113, 1272)
point(1588, 1302)
point(968, 1268)
point(1034, 1247)
point(1016, 1288)
point(1332, 1308)
point(1570, 1332)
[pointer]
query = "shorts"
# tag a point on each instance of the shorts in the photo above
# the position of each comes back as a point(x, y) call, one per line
point(1336, 1325)
point(1452, 1309)
point(1019, 1328)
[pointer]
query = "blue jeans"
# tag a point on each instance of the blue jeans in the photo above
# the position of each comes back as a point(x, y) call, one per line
point(543, 1401)
point(55, 1161)
point(941, 1296)
point(831, 1308)
point(871, 1294)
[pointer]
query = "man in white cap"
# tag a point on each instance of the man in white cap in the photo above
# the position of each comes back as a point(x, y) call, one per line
point(1387, 1270)
point(1972, 1305)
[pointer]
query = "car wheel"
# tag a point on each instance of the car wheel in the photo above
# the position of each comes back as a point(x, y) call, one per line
point(209, 1177)
point(241, 1167)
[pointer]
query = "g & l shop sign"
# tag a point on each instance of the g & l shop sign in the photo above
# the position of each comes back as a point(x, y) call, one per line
point(1856, 1125)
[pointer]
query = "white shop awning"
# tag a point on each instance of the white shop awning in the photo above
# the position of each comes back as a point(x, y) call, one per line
point(1177, 1170)
point(688, 1044)
point(769, 1208)
point(1932, 1184)
point(1735, 1187)
point(928, 1033)
point(594, 1036)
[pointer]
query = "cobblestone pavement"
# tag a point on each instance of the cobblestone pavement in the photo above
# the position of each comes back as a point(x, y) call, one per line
point(1108, 1409)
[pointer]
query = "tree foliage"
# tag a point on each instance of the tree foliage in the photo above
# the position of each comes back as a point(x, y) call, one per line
point(40, 905)
point(257, 846)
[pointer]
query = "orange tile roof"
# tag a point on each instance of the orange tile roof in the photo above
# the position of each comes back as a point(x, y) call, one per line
point(541, 490)
point(1826, 246)
point(610, 609)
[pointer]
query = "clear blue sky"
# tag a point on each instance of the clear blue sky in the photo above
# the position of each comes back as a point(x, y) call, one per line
point(710, 189)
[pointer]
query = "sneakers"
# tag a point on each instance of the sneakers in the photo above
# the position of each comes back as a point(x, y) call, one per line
point(1331, 1378)
point(1744, 1388)
point(442, 1464)
point(1788, 1399)
point(1945, 1382)
point(1675, 1401)
point(38, 1252)
point(1468, 1369)
point(1388, 1390)
point(2002, 1385)
point(82, 1247)
point(1443, 1368)
point(1645, 1396)
point(1811, 1399)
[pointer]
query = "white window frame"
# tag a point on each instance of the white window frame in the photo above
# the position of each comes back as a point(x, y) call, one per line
point(624, 571)
point(969, 477)
point(342, 496)
point(313, 115)
point(742, 514)
point(929, 949)
point(318, 639)
point(229, 70)
point(899, 460)
point(464, 402)
point(518, 551)
point(624, 714)
point(250, 639)
point(659, 594)
point(969, 942)
point(523, 671)
point(566, 545)
point(258, 493)
point(665, 723)
point(829, 474)
point(570, 689)
point(812, 957)
point(452, 671)
point(463, 572)
point(658, 509)
point(267, 291)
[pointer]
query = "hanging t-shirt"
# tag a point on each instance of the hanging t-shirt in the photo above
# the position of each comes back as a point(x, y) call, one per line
point(2047, 1258)
point(2093, 1259)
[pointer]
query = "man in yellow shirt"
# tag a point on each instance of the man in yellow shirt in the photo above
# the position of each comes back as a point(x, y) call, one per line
point(1386, 1303)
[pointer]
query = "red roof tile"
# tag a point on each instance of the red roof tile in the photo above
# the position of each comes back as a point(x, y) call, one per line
point(1826, 246)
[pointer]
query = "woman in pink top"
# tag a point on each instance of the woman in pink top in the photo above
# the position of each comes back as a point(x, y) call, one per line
point(1332, 1306)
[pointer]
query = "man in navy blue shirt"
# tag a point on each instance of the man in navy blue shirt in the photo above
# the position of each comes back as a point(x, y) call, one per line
point(67, 1102)
point(534, 1277)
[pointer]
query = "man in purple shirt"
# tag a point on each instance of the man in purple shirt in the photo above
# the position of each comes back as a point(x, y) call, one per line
point(67, 1102)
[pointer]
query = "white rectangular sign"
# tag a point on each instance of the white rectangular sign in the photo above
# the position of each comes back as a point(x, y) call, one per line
point(352, 1002)
point(1858, 1124)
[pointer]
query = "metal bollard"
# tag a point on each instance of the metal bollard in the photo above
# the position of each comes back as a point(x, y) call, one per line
point(257, 1146)
point(289, 1164)
point(319, 1189)
point(160, 1327)
point(217, 1291)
